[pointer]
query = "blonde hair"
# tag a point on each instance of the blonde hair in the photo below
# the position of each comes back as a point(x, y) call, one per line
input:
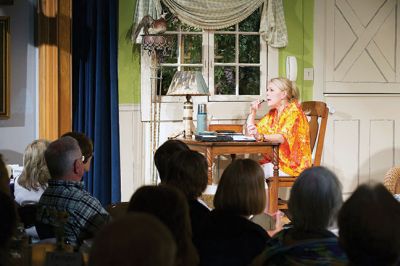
point(288, 86)
point(35, 173)
point(241, 190)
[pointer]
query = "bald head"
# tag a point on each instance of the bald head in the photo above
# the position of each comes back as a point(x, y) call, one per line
point(63, 158)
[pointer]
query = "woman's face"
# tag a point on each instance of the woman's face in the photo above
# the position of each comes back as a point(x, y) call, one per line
point(274, 95)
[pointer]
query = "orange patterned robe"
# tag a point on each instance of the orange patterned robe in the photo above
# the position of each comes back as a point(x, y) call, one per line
point(295, 151)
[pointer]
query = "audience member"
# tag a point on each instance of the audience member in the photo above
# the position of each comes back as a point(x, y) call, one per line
point(136, 239)
point(314, 201)
point(230, 238)
point(187, 171)
point(29, 186)
point(164, 153)
point(369, 229)
point(8, 224)
point(169, 205)
point(65, 192)
point(4, 178)
point(86, 146)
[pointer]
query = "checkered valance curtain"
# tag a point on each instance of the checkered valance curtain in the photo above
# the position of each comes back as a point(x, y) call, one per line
point(218, 14)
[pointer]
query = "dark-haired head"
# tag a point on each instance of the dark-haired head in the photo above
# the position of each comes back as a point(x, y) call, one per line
point(187, 170)
point(164, 153)
point(369, 229)
point(135, 239)
point(86, 145)
point(241, 189)
point(170, 206)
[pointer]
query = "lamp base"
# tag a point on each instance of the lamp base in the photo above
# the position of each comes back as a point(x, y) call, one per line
point(188, 118)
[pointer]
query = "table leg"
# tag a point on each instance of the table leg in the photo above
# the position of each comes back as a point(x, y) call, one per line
point(209, 158)
point(273, 182)
point(275, 160)
point(273, 194)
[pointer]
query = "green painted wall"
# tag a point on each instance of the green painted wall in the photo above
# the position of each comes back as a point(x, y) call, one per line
point(128, 62)
point(299, 15)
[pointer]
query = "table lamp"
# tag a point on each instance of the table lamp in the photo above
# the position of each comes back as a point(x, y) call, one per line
point(188, 83)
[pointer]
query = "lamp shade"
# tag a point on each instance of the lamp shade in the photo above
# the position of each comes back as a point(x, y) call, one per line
point(188, 83)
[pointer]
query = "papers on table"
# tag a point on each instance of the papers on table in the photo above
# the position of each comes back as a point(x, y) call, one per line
point(243, 138)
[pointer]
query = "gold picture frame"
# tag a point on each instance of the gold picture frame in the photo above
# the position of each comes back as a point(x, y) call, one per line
point(5, 67)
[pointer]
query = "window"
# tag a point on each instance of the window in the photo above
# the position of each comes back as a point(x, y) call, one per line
point(232, 60)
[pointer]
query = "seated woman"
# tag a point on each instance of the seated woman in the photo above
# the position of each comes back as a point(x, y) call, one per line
point(315, 200)
point(369, 229)
point(187, 171)
point(285, 123)
point(29, 186)
point(169, 205)
point(229, 237)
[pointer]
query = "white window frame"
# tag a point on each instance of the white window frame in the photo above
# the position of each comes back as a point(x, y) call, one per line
point(225, 107)
point(263, 70)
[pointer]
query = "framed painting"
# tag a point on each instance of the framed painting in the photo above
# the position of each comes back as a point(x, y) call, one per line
point(4, 67)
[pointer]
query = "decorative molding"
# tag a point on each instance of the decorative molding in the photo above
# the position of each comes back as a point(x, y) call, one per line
point(131, 149)
point(5, 67)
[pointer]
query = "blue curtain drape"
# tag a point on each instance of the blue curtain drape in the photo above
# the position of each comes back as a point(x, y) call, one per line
point(95, 92)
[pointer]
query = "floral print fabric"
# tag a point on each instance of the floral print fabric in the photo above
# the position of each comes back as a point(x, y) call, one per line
point(292, 124)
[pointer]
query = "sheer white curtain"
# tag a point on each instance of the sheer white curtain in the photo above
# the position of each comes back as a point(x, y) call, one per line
point(218, 14)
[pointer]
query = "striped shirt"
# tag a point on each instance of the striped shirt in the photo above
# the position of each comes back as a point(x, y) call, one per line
point(85, 213)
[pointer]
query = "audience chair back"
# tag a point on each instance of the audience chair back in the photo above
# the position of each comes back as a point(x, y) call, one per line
point(237, 128)
point(317, 115)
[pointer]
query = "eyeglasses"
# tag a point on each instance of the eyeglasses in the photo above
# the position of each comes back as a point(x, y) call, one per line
point(86, 158)
point(82, 158)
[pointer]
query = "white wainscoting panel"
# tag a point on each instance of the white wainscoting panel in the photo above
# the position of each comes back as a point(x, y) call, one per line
point(131, 149)
point(382, 145)
point(346, 134)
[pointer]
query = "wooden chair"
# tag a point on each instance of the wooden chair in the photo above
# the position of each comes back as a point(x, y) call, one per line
point(314, 111)
point(237, 128)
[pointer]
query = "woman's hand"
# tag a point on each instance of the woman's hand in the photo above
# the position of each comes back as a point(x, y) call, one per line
point(252, 131)
point(255, 105)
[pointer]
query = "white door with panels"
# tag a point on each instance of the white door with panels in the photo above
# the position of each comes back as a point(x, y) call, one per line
point(358, 74)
